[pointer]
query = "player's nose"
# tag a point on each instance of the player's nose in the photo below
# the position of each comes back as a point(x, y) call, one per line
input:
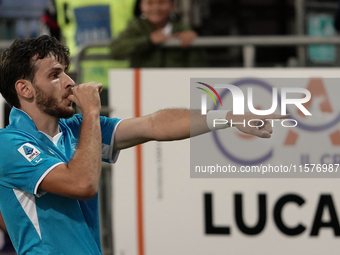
point(69, 82)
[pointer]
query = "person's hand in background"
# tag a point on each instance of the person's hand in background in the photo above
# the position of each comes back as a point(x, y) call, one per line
point(186, 37)
point(158, 37)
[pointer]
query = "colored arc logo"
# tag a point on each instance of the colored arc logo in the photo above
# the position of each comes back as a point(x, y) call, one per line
point(213, 90)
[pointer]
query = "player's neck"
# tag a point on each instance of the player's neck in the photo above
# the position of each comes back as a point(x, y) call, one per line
point(44, 122)
point(49, 125)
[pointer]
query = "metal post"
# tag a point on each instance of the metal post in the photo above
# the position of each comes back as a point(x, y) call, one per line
point(248, 56)
point(300, 30)
point(186, 10)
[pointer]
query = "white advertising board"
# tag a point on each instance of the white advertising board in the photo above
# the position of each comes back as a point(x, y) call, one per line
point(159, 209)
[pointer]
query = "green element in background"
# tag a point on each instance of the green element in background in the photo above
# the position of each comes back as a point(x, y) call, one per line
point(97, 71)
point(119, 13)
point(321, 25)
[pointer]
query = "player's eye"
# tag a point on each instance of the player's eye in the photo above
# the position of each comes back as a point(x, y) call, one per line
point(55, 75)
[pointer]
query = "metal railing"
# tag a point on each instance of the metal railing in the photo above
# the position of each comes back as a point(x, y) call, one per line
point(248, 44)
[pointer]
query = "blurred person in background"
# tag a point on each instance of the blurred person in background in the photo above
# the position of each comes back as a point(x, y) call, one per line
point(142, 40)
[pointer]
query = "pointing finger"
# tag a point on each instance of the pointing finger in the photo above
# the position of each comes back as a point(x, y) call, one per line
point(260, 133)
point(268, 127)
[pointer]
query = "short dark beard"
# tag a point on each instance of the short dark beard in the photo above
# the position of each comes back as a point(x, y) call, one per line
point(48, 104)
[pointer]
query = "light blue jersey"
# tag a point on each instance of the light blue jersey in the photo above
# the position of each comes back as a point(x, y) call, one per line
point(47, 223)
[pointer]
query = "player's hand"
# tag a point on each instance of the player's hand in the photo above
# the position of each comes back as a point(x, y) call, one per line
point(158, 37)
point(86, 96)
point(264, 131)
point(186, 37)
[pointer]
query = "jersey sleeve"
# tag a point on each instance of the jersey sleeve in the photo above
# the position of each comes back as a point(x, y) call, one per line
point(24, 163)
point(109, 127)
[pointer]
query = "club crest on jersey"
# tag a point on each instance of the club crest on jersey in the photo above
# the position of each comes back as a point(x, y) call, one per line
point(30, 153)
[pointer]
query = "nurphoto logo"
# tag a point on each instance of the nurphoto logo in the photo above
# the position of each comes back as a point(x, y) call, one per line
point(239, 102)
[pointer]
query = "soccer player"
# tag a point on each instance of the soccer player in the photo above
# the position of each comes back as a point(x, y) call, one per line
point(50, 159)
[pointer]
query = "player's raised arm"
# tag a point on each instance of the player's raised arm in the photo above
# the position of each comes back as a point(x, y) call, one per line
point(177, 124)
point(79, 178)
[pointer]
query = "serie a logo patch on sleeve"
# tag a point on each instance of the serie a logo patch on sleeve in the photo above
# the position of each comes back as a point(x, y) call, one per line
point(32, 154)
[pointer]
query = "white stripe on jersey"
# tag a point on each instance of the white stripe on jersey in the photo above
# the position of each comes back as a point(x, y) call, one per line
point(27, 202)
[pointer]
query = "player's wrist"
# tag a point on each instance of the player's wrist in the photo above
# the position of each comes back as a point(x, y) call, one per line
point(93, 113)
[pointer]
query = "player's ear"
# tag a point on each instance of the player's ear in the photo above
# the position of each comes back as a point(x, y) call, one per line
point(24, 89)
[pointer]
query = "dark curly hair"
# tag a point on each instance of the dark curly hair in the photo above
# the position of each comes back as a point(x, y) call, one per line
point(18, 62)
